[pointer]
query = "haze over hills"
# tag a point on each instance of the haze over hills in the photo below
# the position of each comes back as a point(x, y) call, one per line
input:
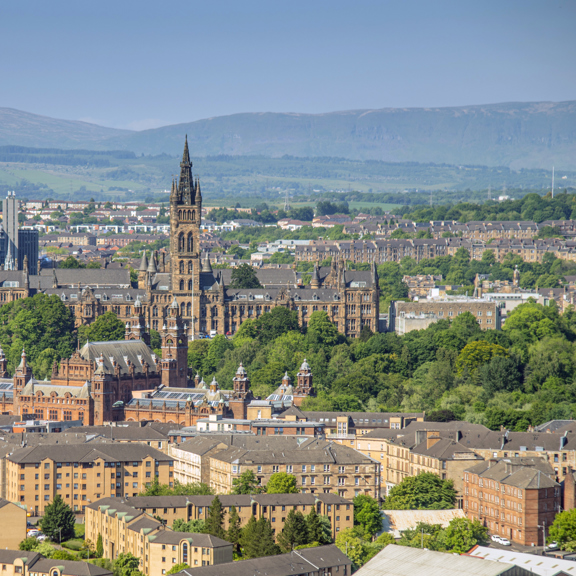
point(517, 135)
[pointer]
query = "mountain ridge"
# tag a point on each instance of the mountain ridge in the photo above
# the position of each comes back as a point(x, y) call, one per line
point(513, 134)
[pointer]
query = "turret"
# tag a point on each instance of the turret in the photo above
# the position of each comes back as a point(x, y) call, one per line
point(304, 387)
point(206, 266)
point(315, 280)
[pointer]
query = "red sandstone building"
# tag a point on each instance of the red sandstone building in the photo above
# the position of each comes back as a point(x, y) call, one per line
point(516, 498)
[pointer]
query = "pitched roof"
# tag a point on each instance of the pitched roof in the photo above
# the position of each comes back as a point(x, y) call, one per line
point(206, 540)
point(122, 351)
point(303, 561)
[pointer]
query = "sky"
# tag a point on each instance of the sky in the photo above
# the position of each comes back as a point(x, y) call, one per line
point(138, 65)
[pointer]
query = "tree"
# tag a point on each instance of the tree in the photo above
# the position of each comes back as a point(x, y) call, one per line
point(192, 526)
point(218, 346)
point(321, 331)
point(316, 528)
point(441, 416)
point(356, 548)
point(99, 546)
point(28, 544)
point(463, 534)
point(423, 492)
point(58, 521)
point(244, 277)
point(294, 532)
point(178, 568)
point(190, 489)
point(477, 353)
point(257, 539)
point(367, 514)
point(126, 565)
point(38, 323)
point(106, 328)
point(70, 262)
point(563, 530)
point(215, 520)
point(273, 324)
point(234, 532)
point(246, 483)
point(63, 555)
point(282, 483)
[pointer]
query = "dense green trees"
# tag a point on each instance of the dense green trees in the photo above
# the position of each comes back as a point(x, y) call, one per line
point(423, 492)
point(367, 514)
point(244, 276)
point(42, 325)
point(257, 539)
point(563, 530)
point(179, 489)
point(246, 483)
point(104, 329)
point(214, 523)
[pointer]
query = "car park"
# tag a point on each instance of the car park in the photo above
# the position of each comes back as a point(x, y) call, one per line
point(505, 542)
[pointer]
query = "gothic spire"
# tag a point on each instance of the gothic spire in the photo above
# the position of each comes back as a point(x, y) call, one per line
point(144, 262)
point(186, 181)
point(198, 197)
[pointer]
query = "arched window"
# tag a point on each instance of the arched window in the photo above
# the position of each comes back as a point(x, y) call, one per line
point(189, 214)
point(181, 242)
point(155, 311)
point(189, 285)
point(181, 266)
point(189, 309)
point(181, 284)
point(193, 215)
point(190, 243)
point(185, 552)
point(189, 266)
point(214, 311)
point(182, 309)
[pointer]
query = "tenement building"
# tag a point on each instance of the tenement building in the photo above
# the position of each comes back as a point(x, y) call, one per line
point(206, 300)
point(517, 498)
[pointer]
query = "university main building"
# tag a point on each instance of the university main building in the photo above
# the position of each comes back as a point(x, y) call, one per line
point(178, 296)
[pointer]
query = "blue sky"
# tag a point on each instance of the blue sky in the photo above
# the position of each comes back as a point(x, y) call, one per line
point(143, 64)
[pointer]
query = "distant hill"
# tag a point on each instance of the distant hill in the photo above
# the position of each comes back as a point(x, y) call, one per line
point(25, 129)
point(517, 135)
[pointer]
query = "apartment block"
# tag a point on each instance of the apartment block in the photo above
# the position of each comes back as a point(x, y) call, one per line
point(26, 563)
point(320, 466)
point(125, 529)
point(319, 561)
point(82, 473)
point(517, 498)
point(12, 524)
point(274, 507)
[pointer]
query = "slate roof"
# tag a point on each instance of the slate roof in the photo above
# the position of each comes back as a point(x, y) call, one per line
point(122, 351)
point(47, 389)
point(205, 540)
point(308, 560)
point(114, 277)
point(69, 567)
point(87, 453)
point(524, 473)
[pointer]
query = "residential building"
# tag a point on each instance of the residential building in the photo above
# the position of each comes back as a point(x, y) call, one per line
point(82, 473)
point(126, 530)
point(318, 465)
point(517, 498)
point(274, 507)
point(318, 561)
point(26, 563)
point(13, 521)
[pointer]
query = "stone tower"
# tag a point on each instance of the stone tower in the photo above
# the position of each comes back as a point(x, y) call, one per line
point(185, 218)
point(174, 362)
point(304, 386)
point(22, 375)
point(242, 396)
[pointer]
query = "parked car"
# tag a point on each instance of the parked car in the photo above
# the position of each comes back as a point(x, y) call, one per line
point(552, 546)
point(41, 537)
point(33, 533)
point(505, 542)
point(495, 538)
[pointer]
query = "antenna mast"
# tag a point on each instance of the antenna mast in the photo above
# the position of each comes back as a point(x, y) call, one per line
point(287, 201)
